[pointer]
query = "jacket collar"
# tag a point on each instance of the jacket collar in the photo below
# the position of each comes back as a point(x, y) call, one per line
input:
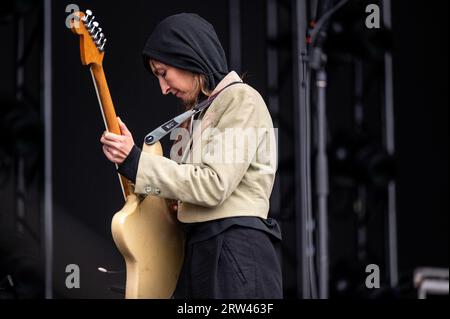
point(228, 79)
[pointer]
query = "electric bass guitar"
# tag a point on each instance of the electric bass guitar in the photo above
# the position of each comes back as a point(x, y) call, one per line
point(146, 233)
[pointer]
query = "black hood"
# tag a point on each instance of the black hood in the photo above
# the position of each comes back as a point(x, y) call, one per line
point(189, 42)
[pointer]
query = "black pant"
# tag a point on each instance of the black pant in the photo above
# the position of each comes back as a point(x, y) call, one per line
point(239, 262)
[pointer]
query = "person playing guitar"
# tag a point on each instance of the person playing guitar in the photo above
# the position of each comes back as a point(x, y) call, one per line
point(221, 185)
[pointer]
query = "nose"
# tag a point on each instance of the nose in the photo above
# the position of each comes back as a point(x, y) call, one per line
point(165, 88)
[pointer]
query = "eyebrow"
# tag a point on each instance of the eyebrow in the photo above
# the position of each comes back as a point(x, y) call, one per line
point(158, 71)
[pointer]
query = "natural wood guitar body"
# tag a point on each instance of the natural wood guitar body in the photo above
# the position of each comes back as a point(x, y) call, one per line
point(149, 237)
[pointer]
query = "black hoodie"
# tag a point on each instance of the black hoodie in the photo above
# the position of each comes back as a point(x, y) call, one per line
point(189, 42)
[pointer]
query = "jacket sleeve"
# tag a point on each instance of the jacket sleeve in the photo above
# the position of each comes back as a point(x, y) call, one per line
point(129, 166)
point(212, 180)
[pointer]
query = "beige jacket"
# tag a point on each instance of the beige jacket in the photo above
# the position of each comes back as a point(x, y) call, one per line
point(229, 170)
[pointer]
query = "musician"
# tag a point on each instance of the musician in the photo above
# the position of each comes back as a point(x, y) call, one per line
point(232, 247)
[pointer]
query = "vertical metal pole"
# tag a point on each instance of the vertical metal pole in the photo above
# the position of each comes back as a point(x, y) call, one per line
point(360, 206)
point(48, 187)
point(20, 193)
point(235, 35)
point(322, 182)
point(389, 138)
point(20, 44)
point(272, 86)
point(358, 114)
point(302, 207)
point(20, 161)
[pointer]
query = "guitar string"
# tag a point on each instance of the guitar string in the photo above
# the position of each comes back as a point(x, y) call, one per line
point(106, 125)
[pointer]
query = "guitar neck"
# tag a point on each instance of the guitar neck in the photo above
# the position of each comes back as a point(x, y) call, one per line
point(108, 113)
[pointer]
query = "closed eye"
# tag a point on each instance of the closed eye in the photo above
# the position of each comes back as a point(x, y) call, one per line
point(160, 73)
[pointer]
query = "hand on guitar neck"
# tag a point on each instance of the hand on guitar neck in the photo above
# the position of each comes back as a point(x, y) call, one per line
point(117, 147)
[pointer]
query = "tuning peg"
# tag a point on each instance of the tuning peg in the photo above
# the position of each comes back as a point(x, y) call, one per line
point(95, 25)
point(97, 33)
point(102, 48)
point(91, 21)
point(87, 15)
point(100, 39)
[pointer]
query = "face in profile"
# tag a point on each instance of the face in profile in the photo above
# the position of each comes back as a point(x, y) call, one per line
point(183, 84)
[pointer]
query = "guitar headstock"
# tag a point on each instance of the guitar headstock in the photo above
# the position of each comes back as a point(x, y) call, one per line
point(92, 39)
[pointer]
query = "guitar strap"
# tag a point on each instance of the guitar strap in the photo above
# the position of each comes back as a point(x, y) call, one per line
point(158, 133)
